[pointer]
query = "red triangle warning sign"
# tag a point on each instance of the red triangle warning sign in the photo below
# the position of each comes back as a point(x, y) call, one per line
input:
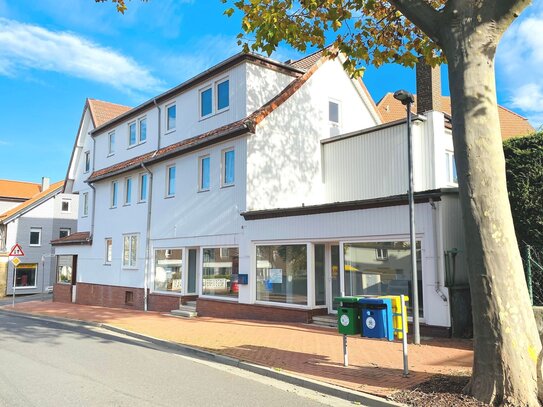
point(16, 251)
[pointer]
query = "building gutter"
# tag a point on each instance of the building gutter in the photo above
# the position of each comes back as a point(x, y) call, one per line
point(438, 247)
point(147, 240)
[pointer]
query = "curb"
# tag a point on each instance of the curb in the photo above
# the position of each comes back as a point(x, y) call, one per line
point(310, 384)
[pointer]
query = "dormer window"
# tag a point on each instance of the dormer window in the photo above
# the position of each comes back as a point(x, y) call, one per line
point(214, 98)
point(223, 97)
point(132, 134)
point(206, 102)
point(171, 117)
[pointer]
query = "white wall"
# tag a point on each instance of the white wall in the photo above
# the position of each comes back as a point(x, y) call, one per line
point(284, 156)
point(263, 84)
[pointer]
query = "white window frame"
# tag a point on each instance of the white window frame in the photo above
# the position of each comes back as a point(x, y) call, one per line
point(381, 254)
point(216, 98)
point(26, 287)
point(87, 161)
point(167, 107)
point(129, 265)
point(69, 230)
point(85, 209)
point(223, 167)
point(184, 275)
point(332, 123)
point(114, 194)
point(141, 119)
point(111, 143)
point(69, 202)
point(449, 166)
point(167, 189)
point(214, 87)
point(200, 93)
point(135, 143)
point(108, 255)
point(200, 273)
point(128, 191)
point(201, 173)
point(140, 187)
point(35, 229)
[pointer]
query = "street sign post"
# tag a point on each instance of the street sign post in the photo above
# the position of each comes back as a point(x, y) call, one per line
point(16, 252)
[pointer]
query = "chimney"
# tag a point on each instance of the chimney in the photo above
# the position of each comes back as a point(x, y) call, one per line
point(428, 87)
point(44, 183)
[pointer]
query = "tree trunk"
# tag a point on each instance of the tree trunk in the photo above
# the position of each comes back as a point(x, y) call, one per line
point(507, 348)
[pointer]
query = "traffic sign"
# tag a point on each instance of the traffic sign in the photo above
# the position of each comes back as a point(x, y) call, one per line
point(15, 261)
point(16, 251)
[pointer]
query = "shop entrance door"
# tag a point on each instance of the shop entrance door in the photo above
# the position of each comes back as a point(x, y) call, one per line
point(334, 288)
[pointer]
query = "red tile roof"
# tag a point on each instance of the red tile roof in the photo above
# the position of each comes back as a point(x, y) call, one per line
point(74, 238)
point(511, 123)
point(18, 189)
point(102, 112)
point(19, 209)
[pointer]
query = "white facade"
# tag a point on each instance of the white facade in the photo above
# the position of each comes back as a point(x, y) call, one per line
point(186, 231)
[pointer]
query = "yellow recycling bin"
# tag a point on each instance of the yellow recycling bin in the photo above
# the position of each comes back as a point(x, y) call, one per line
point(397, 314)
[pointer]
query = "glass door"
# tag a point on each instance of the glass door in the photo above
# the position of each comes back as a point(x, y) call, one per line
point(335, 278)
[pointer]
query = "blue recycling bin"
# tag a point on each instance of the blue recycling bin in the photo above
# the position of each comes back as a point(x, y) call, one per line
point(376, 318)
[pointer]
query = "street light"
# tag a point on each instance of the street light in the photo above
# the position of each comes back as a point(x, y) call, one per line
point(407, 100)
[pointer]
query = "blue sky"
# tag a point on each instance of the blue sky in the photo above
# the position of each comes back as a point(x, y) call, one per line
point(55, 53)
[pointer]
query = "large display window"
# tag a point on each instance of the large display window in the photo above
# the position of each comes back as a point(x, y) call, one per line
point(168, 270)
point(220, 269)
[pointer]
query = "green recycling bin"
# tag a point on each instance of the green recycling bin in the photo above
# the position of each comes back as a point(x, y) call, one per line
point(348, 316)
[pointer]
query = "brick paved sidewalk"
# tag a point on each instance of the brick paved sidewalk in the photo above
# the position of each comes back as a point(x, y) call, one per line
point(314, 352)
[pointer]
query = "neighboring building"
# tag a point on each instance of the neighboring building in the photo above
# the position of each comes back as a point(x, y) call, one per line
point(12, 193)
point(48, 214)
point(264, 190)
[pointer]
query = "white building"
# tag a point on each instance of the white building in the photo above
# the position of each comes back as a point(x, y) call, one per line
point(47, 215)
point(264, 190)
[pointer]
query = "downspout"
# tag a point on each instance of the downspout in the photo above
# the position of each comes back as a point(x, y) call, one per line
point(438, 248)
point(93, 188)
point(149, 209)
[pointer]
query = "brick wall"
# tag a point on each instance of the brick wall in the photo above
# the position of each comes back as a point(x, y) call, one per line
point(62, 293)
point(428, 87)
point(109, 296)
point(223, 309)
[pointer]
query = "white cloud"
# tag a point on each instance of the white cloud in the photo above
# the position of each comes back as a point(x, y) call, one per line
point(519, 64)
point(30, 47)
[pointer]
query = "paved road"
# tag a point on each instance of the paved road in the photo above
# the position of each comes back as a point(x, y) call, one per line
point(24, 298)
point(49, 364)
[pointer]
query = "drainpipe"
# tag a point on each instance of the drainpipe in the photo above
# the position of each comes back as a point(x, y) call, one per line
point(159, 127)
point(147, 240)
point(438, 248)
point(93, 188)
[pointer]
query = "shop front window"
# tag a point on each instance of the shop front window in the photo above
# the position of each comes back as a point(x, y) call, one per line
point(281, 274)
point(220, 272)
point(369, 272)
point(64, 269)
point(168, 270)
point(26, 275)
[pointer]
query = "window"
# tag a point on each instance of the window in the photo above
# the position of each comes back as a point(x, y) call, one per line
point(64, 232)
point(87, 161)
point(333, 112)
point(85, 203)
point(114, 190)
point(111, 149)
point(223, 95)
point(128, 191)
point(64, 269)
point(65, 205)
point(35, 236)
point(25, 276)
point(363, 276)
point(170, 118)
point(170, 182)
point(132, 134)
point(206, 102)
point(204, 173)
point(381, 254)
point(142, 130)
point(220, 272)
point(450, 168)
point(109, 250)
point(143, 188)
point(130, 246)
point(228, 163)
point(168, 270)
point(281, 274)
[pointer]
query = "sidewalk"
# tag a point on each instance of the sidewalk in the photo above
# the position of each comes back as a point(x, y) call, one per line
point(375, 366)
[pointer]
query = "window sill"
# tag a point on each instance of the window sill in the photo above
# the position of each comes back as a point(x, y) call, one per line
point(110, 155)
point(34, 245)
point(204, 190)
point(141, 202)
point(170, 131)
point(127, 204)
point(169, 196)
point(130, 268)
point(228, 186)
point(106, 264)
point(26, 287)
point(219, 297)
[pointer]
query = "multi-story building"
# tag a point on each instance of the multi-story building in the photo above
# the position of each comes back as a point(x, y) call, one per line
point(46, 215)
point(263, 190)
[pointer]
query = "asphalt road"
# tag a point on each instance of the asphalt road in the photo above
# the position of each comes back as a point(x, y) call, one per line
point(50, 364)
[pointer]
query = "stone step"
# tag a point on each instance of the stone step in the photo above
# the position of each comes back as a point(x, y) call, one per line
point(190, 304)
point(185, 313)
point(325, 320)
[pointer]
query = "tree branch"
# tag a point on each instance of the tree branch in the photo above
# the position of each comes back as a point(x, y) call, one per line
point(421, 14)
point(506, 11)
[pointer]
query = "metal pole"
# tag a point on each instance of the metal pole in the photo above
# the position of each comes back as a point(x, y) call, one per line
point(43, 278)
point(13, 289)
point(529, 273)
point(404, 336)
point(414, 278)
point(345, 352)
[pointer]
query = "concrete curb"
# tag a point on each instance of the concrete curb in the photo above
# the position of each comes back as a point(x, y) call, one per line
point(321, 387)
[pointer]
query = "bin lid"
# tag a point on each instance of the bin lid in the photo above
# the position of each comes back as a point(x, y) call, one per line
point(375, 301)
point(347, 299)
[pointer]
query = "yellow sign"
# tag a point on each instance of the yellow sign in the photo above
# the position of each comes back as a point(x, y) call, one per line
point(15, 261)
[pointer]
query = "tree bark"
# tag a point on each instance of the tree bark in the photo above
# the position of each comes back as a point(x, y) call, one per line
point(507, 348)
